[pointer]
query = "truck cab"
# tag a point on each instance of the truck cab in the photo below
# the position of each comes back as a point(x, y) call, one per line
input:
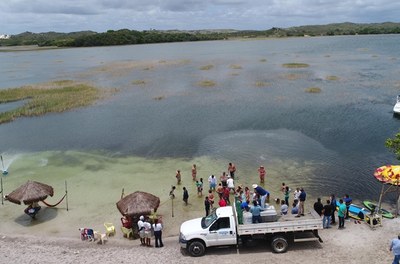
point(216, 229)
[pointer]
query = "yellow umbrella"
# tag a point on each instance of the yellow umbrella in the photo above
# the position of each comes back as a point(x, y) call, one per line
point(388, 174)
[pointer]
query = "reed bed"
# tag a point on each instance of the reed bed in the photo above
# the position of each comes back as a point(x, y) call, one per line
point(53, 97)
point(313, 90)
point(206, 83)
point(332, 78)
point(206, 67)
point(295, 65)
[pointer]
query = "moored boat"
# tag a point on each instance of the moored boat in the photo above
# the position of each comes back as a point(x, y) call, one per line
point(371, 206)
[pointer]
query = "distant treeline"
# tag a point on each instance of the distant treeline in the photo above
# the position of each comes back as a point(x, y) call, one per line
point(128, 37)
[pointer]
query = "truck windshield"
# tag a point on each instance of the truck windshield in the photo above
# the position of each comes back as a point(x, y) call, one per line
point(208, 220)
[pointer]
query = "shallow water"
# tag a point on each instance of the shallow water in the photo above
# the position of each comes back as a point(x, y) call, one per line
point(326, 142)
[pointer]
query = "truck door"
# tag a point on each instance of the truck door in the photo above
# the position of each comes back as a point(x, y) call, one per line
point(222, 232)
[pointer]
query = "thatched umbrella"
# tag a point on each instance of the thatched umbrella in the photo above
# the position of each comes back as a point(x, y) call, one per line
point(138, 203)
point(30, 192)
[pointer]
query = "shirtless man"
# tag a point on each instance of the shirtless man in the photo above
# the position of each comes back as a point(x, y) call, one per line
point(262, 173)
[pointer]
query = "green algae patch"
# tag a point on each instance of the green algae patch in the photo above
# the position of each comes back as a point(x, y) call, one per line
point(313, 90)
point(52, 97)
point(295, 65)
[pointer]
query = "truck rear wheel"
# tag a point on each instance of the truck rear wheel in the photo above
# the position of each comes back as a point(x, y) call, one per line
point(279, 244)
point(196, 249)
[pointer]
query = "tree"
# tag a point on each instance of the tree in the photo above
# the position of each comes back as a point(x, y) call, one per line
point(393, 144)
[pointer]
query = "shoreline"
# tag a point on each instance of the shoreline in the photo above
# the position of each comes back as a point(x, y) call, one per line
point(358, 243)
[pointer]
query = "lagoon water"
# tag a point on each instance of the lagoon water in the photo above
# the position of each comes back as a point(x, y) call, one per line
point(162, 119)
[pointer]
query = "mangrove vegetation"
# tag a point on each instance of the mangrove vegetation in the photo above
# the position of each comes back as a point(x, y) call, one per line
point(129, 37)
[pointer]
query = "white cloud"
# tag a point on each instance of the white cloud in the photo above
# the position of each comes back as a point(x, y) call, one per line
point(17, 16)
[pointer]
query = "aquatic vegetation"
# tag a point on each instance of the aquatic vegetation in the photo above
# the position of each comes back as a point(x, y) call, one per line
point(158, 98)
point(263, 60)
point(206, 83)
point(313, 90)
point(235, 66)
point(295, 65)
point(292, 76)
point(206, 67)
point(261, 84)
point(53, 97)
point(332, 78)
point(139, 82)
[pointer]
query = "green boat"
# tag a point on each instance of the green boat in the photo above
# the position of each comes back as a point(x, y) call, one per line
point(371, 206)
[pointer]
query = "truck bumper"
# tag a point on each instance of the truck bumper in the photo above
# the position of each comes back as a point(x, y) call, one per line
point(182, 242)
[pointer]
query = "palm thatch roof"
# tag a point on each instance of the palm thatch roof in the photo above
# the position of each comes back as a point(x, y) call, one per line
point(138, 203)
point(30, 192)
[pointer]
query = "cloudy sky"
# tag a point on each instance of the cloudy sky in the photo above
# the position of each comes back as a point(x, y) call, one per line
point(17, 16)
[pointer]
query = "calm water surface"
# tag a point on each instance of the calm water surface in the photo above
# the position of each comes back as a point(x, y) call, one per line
point(257, 113)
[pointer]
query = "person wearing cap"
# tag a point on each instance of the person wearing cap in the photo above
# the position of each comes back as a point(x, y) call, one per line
point(262, 172)
point(263, 194)
point(140, 224)
point(395, 248)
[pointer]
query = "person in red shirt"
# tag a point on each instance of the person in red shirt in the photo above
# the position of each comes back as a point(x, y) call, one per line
point(222, 202)
point(262, 173)
point(126, 221)
point(225, 195)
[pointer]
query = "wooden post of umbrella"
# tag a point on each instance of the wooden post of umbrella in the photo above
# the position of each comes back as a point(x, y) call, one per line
point(66, 194)
point(2, 196)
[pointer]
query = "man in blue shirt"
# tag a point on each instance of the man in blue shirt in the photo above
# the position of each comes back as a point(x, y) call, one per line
point(395, 248)
point(255, 210)
point(347, 200)
point(263, 194)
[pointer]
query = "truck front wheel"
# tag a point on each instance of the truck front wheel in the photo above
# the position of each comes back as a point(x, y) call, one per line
point(279, 244)
point(196, 249)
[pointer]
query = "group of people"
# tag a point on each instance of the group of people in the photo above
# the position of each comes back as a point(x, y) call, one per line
point(331, 206)
point(145, 229)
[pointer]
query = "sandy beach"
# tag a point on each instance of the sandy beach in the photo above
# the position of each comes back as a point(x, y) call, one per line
point(357, 243)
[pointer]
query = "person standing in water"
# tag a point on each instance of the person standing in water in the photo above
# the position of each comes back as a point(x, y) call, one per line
point(194, 172)
point(178, 177)
point(185, 195)
point(231, 170)
point(262, 173)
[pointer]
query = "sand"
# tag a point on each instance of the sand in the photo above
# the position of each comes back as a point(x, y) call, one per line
point(357, 243)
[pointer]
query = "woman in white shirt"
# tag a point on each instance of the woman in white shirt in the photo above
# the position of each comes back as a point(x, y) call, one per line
point(157, 227)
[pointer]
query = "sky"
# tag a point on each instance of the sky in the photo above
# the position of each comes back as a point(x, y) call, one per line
point(17, 16)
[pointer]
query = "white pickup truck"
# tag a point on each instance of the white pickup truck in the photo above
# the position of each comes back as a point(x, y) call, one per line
point(221, 228)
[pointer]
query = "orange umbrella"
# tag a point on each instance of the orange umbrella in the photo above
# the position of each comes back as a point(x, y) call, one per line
point(388, 174)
